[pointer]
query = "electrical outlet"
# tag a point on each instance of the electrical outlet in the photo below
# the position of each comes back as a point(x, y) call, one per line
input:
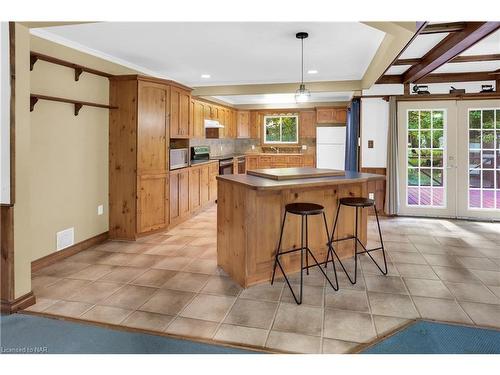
point(371, 195)
point(100, 210)
point(65, 238)
point(304, 147)
point(253, 147)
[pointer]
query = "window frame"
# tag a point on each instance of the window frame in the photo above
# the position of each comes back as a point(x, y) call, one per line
point(281, 142)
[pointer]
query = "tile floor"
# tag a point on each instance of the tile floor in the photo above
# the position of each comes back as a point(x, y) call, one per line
point(443, 270)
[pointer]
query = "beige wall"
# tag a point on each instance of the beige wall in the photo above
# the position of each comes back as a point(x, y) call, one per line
point(61, 159)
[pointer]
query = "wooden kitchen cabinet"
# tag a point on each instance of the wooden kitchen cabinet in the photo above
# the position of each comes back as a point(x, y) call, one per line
point(243, 124)
point(213, 172)
point(254, 125)
point(204, 184)
point(180, 101)
point(309, 161)
point(194, 188)
point(252, 162)
point(331, 115)
point(138, 155)
point(179, 195)
point(307, 124)
point(198, 120)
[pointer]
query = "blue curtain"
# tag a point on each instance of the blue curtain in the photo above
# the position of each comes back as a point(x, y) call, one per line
point(352, 134)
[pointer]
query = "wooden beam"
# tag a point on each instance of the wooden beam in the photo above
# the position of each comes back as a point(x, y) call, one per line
point(458, 59)
point(443, 77)
point(421, 26)
point(451, 46)
point(449, 27)
point(457, 77)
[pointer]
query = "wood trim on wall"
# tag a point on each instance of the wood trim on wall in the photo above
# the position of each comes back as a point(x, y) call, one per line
point(12, 306)
point(47, 260)
point(7, 252)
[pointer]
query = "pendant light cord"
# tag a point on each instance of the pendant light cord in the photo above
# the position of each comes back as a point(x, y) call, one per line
point(302, 72)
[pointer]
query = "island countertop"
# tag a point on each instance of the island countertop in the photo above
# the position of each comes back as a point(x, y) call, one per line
point(262, 183)
point(250, 210)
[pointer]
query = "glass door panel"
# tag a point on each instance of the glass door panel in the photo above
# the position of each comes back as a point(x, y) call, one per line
point(479, 176)
point(424, 176)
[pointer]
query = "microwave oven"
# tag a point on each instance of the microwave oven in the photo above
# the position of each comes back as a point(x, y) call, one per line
point(179, 158)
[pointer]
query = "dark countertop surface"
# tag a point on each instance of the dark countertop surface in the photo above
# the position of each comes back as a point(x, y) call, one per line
point(260, 183)
point(198, 162)
point(227, 156)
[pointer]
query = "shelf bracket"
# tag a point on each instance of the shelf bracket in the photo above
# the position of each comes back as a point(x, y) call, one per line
point(33, 101)
point(78, 72)
point(78, 106)
point(33, 60)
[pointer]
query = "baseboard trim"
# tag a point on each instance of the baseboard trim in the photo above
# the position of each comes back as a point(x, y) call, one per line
point(10, 307)
point(69, 251)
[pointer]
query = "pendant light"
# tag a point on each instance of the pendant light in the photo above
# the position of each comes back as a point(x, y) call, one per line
point(302, 94)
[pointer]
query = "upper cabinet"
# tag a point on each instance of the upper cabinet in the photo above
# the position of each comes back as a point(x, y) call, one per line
point(254, 125)
point(307, 124)
point(243, 124)
point(331, 115)
point(180, 105)
point(198, 119)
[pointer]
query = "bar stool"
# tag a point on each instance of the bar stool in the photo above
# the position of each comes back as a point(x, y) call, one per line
point(357, 203)
point(304, 210)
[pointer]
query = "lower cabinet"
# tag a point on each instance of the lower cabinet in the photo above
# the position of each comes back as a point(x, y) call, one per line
point(179, 195)
point(191, 189)
point(279, 161)
point(153, 202)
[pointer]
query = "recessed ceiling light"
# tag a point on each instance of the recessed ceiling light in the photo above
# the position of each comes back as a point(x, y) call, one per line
point(312, 71)
point(205, 76)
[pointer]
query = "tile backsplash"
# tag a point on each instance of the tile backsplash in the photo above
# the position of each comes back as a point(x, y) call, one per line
point(225, 146)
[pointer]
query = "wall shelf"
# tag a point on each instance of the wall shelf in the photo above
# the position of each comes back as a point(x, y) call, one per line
point(34, 98)
point(79, 69)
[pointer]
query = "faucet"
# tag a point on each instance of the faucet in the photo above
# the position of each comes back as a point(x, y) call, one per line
point(275, 149)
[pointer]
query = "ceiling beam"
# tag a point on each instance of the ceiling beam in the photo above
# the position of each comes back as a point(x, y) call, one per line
point(276, 88)
point(448, 27)
point(458, 59)
point(450, 47)
point(442, 77)
point(389, 51)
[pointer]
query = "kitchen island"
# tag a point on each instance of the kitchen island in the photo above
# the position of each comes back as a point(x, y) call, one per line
point(250, 210)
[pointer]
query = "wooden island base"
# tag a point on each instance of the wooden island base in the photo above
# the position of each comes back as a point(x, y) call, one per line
point(249, 214)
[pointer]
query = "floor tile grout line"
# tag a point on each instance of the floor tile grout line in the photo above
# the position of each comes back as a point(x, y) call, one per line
point(274, 315)
point(225, 316)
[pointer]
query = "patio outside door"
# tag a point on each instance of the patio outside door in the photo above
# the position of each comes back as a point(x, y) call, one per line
point(479, 159)
point(427, 158)
point(449, 158)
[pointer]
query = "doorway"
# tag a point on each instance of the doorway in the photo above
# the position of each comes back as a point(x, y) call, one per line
point(449, 158)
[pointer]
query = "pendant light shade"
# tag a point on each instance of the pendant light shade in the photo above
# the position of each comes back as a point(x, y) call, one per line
point(302, 95)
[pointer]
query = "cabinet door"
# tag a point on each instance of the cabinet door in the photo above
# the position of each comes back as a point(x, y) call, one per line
point(325, 115)
point(307, 124)
point(213, 173)
point(153, 203)
point(152, 131)
point(198, 117)
point(341, 116)
point(174, 196)
point(179, 112)
point(265, 161)
point(308, 160)
point(184, 193)
point(295, 161)
point(254, 125)
point(252, 162)
point(194, 188)
point(243, 124)
point(204, 185)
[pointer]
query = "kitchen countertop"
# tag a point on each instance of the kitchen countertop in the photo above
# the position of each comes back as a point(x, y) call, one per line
point(227, 156)
point(260, 183)
point(276, 154)
point(199, 162)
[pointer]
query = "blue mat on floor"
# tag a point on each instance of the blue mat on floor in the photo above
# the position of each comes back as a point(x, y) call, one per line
point(26, 333)
point(425, 337)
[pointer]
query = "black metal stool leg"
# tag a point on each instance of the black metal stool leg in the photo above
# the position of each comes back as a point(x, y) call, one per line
point(336, 287)
point(384, 271)
point(330, 243)
point(279, 248)
point(356, 247)
point(307, 246)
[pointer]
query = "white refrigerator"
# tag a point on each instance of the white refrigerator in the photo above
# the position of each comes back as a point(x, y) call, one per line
point(330, 147)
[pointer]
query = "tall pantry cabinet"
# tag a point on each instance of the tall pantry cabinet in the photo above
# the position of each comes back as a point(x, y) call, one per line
point(139, 132)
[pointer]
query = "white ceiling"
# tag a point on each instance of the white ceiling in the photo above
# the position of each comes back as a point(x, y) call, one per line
point(421, 45)
point(285, 98)
point(489, 45)
point(476, 66)
point(232, 53)
point(398, 69)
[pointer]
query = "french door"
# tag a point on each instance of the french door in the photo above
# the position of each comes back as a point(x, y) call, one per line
point(449, 158)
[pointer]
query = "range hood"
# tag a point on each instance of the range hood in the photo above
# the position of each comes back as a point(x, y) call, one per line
point(213, 124)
